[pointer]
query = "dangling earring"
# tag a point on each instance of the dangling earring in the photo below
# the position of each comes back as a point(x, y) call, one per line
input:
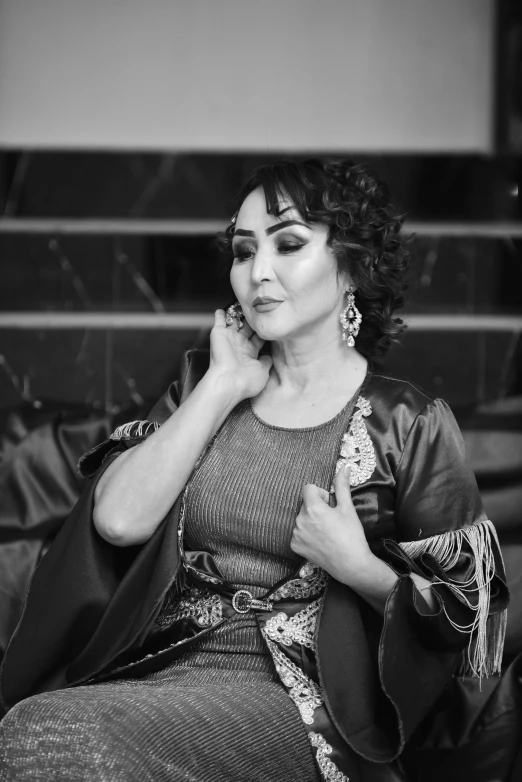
point(350, 319)
point(234, 313)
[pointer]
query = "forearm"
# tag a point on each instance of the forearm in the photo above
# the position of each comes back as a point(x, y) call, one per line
point(375, 581)
point(138, 489)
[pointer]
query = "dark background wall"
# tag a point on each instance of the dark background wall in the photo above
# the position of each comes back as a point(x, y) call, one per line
point(58, 272)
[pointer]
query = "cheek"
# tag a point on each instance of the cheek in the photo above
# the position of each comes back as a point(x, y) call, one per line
point(313, 282)
point(238, 281)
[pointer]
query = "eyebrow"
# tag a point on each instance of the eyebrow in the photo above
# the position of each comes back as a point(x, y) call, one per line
point(272, 229)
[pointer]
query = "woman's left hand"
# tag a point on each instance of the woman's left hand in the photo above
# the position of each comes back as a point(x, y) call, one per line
point(332, 538)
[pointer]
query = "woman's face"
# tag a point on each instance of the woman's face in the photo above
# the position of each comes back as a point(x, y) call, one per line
point(284, 275)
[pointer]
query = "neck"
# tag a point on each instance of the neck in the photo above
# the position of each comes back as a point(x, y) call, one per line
point(310, 363)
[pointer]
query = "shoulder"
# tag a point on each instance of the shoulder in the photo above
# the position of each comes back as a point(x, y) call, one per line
point(399, 406)
point(396, 393)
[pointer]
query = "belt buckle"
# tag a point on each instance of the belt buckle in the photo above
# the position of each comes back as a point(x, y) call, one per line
point(243, 601)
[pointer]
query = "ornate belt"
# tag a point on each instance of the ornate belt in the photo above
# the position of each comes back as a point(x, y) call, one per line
point(208, 605)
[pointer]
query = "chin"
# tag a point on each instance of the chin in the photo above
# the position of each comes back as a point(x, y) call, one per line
point(269, 335)
point(276, 332)
point(262, 329)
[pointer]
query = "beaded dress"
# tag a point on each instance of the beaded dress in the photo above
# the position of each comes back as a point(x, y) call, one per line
point(220, 712)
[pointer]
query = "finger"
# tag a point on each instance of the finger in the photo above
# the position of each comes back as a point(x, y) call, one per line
point(247, 331)
point(313, 493)
point(323, 494)
point(219, 318)
point(343, 494)
point(266, 361)
point(296, 541)
point(294, 544)
point(256, 341)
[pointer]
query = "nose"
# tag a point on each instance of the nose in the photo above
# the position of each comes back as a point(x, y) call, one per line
point(262, 267)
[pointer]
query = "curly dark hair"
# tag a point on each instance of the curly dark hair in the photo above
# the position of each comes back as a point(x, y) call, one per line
point(364, 234)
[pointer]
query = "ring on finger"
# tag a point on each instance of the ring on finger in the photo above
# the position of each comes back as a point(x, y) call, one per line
point(234, 313)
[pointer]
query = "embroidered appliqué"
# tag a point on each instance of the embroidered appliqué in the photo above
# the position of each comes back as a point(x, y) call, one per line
point(135, 429)
point(304, 692)
point(299, 628)
point(356, 447)
point(329, 770)
point(311, 582)
point(200, 604)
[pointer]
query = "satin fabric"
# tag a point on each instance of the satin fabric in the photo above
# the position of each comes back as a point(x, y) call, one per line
point(104, 600)
point(39, 485)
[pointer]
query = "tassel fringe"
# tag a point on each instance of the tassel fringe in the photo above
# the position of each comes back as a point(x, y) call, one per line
point(135, 429)
point(486, 643)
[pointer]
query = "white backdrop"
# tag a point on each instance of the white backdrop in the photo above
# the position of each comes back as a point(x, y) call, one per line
point(247, 75)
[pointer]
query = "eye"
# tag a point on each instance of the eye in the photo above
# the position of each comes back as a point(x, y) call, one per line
point(243, 253)
point(286, 247)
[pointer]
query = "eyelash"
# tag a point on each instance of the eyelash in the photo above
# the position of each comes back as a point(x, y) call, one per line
point(289, 247)
point(286, 248)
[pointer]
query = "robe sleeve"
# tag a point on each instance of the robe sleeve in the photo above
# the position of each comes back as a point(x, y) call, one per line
point(444, 535)
point(87, 601)
point(90, 601)
point(130, 434)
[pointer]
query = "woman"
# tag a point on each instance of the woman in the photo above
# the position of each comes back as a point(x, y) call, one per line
point(281, 580)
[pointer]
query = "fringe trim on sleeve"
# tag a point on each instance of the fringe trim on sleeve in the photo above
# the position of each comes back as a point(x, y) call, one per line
point(135, 429)
point(486, 643)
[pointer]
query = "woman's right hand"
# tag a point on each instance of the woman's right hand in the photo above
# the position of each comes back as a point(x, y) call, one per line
point(234, 354)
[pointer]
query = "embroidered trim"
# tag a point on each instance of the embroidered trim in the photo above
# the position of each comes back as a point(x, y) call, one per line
point(310, 583)
point(200, 604)
point(484, 654)
point(181, 525)
point(356, 447)
point(201, 574)
point(113, 671)
point(304, 692)
point(329, 770)
point(299, 628)
point(135, 429)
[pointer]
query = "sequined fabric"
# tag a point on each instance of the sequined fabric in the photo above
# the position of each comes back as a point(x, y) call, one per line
point(191, 723)
point(220, 712)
